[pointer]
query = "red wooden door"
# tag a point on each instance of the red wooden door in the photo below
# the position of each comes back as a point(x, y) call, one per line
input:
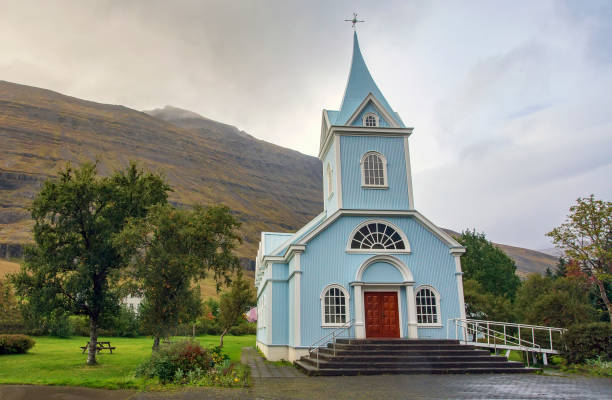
point(382, 317)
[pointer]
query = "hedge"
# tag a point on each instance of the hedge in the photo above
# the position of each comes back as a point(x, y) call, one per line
point(587, 341)
point(15, 344)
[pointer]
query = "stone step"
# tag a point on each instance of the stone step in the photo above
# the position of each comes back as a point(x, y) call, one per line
point(396, 341)
point(312, 370)
point(334, 364)
point(400, 358)
point(400, 346)
point(415, 352)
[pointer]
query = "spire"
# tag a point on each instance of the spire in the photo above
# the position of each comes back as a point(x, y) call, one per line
point(360, 84)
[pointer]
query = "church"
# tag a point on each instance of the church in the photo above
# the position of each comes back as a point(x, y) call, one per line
point(370, 262)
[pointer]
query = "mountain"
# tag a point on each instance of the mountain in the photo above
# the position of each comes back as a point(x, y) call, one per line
point(270, 188)
point(267, 186)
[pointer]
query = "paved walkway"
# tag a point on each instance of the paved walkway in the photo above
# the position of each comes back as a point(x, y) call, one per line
point(261, 368)
point(275, 381)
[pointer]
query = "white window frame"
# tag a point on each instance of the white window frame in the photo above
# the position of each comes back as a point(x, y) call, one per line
point(438, 305)
point(330, 181)
point(400, 232)
point(347, 306)
point(385, 185)
point(371, 114)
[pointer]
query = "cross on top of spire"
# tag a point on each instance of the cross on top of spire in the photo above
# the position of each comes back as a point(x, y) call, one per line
point(354, 20)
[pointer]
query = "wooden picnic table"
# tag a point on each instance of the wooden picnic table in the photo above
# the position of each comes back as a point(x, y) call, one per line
point(99, 347)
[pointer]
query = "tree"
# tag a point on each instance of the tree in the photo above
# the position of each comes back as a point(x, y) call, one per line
point(10, 316)
point(480, 304)
point(74, 265)
point(586, 237)
point(488, 265)
point(170, 250)
point(558, 302)
point(233, 304)
point(561, 268)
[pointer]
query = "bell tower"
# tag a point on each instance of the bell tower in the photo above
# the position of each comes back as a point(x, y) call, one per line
point(364, 148)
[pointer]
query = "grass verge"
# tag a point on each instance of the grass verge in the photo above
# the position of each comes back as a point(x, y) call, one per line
point(55, 361)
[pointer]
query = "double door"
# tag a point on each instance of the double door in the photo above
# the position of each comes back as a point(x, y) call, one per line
point(382, 316)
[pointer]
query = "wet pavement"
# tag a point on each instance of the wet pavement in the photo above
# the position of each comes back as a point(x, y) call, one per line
point(261, 368)
point(275, 381)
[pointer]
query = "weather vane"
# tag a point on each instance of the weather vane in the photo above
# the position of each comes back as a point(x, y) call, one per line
point(354, 21)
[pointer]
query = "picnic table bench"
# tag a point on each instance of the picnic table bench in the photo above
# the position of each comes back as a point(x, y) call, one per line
point(99, 347)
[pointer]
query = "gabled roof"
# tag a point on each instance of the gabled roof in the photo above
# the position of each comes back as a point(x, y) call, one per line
point(360, 84)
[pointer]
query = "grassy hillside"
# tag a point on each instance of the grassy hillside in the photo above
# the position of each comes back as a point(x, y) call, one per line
point(267, 186)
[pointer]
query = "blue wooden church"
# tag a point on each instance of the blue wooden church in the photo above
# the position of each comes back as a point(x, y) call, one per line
point(370, 261)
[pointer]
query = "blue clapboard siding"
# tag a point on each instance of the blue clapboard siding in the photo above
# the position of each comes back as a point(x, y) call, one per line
point(354, 196)
point(280, 313)
point(382, 272)
point(326, 261)
point(330, 202)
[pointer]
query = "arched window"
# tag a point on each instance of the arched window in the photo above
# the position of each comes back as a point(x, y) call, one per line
point(427, 306)
point(374, 170)
point(334, 306)
point(370, 120)
point(330, 182)
point(378, 236)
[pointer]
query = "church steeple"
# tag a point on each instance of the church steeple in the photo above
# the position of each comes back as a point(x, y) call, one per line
point(359, 85)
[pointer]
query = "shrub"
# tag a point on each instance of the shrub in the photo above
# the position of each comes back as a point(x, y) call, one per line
point(244, 328)
point(59, 325)
point(588, 341)
point(124, 324)
point(174, 362)
point(79, 325)
point(15, 344)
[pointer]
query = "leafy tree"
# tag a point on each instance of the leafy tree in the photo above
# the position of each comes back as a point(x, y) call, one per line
point(586, 237)
point(488, 265)
point(10, 316)
point(233, 304)
point(74, 264)
point(557, 302)
point(561, 268)
point(481, 304)
point(170, 251)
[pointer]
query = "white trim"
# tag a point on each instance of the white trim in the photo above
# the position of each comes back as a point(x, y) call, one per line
point(443, 236)
point(347, 297)
point(374, 251)
point(370, 114)
point(329, 174)
point(297, 276)
point(370, 97)
point(335, 130)
point(376, 288)
point(403, 269)
point(438, 306)
point(385, 184)
point(459, 275)
point(408, 173)
point(338, 171)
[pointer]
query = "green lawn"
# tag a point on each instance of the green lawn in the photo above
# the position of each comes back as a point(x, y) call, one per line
point(55, 361)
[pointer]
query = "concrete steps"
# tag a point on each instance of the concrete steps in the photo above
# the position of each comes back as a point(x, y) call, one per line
point(405, 356)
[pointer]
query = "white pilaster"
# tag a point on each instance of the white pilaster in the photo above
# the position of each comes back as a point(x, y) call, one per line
point(360, 332)
point(297, 331)
point(413, 333)
point(459, 275)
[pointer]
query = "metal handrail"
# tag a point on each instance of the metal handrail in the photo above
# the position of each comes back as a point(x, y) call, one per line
point(476, 326)
point(324, 340)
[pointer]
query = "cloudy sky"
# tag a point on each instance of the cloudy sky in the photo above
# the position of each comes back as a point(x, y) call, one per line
point(510, 100)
